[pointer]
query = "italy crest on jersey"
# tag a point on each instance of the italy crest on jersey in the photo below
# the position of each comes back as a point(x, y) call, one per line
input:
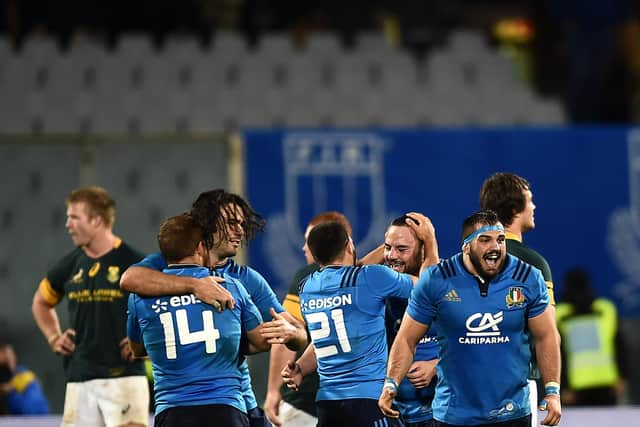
point(515, 297)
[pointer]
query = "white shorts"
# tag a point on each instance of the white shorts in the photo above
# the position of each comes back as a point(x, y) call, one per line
point(533, 401)
point(107, 402)
point(294, 417)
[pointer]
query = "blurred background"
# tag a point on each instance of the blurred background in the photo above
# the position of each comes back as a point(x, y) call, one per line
point(373, 108)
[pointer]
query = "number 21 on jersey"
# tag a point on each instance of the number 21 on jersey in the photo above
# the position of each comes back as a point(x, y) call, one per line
point(325, 330)
point(208, 335)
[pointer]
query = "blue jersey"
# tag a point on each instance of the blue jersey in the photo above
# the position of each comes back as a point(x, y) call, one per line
point(484, 347)
point(343, 307)
point(261, 294)
point(194, 349)
point(414, 404)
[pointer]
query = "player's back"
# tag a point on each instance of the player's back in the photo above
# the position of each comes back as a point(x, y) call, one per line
point(193, 348)
point(343, 307)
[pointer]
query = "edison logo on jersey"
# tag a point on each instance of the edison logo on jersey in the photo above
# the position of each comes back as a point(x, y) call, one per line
point(176, 301)
point(482, 328)
point(328, 302)
point(159, 306)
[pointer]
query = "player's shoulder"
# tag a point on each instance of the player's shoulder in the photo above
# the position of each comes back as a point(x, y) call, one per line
point(521, 271)
point(69, 260)
point(234, 286)
point(527, 254)
point(127, 253)
point(245, 272)
point(446, 269)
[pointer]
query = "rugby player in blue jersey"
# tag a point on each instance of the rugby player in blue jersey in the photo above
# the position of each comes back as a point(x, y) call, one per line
point(229, 221)
point(194, 349)
point(343, 306)
point(482, 302)
point(405, 253)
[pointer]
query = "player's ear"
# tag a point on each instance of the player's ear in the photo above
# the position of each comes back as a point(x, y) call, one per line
point(466, 247)
point(201, 250)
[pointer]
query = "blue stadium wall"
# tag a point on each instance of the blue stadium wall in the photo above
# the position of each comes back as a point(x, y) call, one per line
point(586, 184)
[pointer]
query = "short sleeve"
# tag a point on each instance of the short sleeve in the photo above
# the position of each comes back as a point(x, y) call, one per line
point(539, 300)
point(387, 282)
point(133, 327)
point(261, 293)
point(422, 304)
point(250, 315)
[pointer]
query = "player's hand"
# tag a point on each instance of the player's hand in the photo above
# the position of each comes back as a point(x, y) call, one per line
point(385, 402)
point(278, 330)
point(272, 407)
point(65, 344)
point(422, 372)
point(292, 375)
point(551, 404)
point(422, 226)
point(209, 291)
point(125, 350)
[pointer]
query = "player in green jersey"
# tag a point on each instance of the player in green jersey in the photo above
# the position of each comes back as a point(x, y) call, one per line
point(105, 385)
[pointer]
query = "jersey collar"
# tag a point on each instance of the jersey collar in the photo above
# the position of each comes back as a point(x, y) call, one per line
point(511, 236)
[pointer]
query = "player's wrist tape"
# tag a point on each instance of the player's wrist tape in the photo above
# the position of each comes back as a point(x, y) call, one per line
point(53, 337)
point(390, 383)
point(552, 388)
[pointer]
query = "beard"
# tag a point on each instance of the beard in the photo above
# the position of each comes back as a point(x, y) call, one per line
point(412, 266)
point(476, 261)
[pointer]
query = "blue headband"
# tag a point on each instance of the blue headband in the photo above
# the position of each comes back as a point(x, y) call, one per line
point(481, 230)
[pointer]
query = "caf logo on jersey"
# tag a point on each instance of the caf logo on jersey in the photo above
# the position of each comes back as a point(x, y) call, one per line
point(515, 297)
point(113, 274)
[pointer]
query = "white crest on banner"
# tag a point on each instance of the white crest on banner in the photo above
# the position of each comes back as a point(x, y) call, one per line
point(354, 162)
point(624, 233)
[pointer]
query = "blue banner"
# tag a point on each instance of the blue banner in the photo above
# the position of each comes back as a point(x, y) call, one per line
point(585, 182)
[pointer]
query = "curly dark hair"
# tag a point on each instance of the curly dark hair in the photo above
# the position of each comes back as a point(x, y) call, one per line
point(208, 211)
point(503, 193)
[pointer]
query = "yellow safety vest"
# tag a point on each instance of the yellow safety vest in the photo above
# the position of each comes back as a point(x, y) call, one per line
point(589, 342)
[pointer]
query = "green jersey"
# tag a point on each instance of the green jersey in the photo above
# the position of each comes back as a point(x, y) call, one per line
point(97, 310)
point(518, 249)
point(305, 398)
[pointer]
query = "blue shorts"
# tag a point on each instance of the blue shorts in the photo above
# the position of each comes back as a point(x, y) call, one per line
point(201, 416)
point(353, 413)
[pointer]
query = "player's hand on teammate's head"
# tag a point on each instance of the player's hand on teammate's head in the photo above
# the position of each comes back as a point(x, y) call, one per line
point(64, 344)
point(551, 404)
point(292, 375)
point(211, 292)
point(421, 225)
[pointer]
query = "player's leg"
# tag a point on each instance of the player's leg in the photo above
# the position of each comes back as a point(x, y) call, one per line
point(201, 416)
point(123, 401)
point(80, 406)
point(294, 417)
point(533, 401)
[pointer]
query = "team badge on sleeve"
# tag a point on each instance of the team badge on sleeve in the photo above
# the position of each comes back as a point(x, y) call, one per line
point(515, 297)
